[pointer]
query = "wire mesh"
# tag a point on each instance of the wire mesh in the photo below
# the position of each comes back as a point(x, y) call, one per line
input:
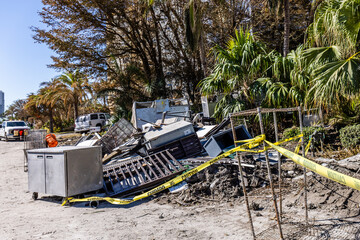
point(338, 230)
point(35, 139)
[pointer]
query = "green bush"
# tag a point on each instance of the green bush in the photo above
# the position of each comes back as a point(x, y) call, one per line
point(350, 136)
point(294, 131)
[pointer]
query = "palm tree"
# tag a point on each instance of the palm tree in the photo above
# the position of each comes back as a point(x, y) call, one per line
point(45, 100)
point(16, 110)
point(72, 88)
point(334, 57)
point(126, 85)
point(287, 81)
point(237, 67)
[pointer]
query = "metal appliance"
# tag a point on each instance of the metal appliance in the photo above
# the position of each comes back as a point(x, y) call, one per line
point(168, 133)
point(224, 139)
point(65, 171)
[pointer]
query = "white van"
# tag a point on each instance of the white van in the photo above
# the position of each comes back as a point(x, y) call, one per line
point(89, 121)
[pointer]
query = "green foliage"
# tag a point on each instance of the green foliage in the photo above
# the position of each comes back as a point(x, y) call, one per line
point(333, 57)
point(308, 131)
point(236, 65)
point(350, 136)
point(228, 104)
point(333, 78)
point(120, 112)
point(336, 22)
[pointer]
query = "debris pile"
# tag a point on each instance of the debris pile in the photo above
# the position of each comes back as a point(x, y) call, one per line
point(163, 141)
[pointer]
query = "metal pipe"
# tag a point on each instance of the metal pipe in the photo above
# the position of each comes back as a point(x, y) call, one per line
point(245, 124)
point(239, 158)
point(322, 125)
point(303, 154)
point(270, 178)
point(279, 166)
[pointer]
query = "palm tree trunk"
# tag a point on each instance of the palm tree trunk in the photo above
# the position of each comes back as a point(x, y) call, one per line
point(76, 110)
point(286, 27)
point(51, 124)
point(202, 55)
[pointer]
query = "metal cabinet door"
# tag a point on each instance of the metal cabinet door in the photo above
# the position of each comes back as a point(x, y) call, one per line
point(36, 172)
point(55, 174)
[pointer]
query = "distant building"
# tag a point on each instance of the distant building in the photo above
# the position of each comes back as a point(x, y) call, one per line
point(2, 102)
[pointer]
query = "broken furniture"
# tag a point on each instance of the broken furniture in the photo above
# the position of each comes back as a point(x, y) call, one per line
point(64, 171)
point(168, 133)
point(136, 174)
point(188, 146)
point(194, 162)
point(224, 139)
point(150, 112)
point(116, 135)
point(217, 128)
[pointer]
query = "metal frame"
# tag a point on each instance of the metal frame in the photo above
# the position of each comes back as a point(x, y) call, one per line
point(136, 174)
point(259, 112)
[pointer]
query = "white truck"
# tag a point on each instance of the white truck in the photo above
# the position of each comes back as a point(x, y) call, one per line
point(90, 121)
point(13, 130)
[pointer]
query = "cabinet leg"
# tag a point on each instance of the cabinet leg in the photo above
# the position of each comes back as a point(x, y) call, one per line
point(35, 196)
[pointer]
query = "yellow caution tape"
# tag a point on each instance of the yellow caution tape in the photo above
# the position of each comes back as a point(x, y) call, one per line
point(297, 149)
point(268, 147)
point(244, 140)
point(288, 139)
point(308, 146)
point(317, 168)
point(108, 199)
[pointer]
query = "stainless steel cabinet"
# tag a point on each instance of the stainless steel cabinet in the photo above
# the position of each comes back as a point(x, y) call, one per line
point(65, 171)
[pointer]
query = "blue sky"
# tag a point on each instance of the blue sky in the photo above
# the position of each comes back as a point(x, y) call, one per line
point(22, 61)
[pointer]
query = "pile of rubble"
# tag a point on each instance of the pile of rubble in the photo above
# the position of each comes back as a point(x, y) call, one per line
point(161, 143)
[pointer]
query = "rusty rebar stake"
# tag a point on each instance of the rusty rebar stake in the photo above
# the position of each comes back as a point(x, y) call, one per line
point(239, 158)
point(303, 154)
point(279, 166)
point(270, 178)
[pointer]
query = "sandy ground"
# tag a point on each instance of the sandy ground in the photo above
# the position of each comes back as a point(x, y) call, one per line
point(24, 218)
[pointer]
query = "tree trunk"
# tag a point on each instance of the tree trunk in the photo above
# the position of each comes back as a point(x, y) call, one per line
point(76, 109)
point(203, 55)
point(51, 124)
point(286, 27)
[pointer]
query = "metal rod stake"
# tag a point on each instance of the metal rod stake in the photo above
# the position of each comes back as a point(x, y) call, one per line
point(322, 125)
point(239, 158)
point(303, 154)
point(270, 178)
point(245, 124)
point(279, 166)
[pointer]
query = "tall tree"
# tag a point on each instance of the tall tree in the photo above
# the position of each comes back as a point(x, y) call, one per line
point(16, 110)
point(237, 67)
point(86, 34)
point(45, 101)
point(71, 87)
point(281, 24)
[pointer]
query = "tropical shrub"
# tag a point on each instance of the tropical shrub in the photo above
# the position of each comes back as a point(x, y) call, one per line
point(308, 131)
point(334, 53)
point(350, 136)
